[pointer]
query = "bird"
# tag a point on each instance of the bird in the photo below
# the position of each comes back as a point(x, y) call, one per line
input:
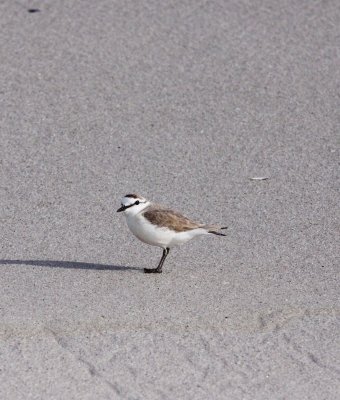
point(160, 226)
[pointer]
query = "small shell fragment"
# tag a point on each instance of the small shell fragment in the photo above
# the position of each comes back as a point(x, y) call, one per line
point(259, 178)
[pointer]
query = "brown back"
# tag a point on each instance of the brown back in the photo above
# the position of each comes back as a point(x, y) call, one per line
point(170, 219)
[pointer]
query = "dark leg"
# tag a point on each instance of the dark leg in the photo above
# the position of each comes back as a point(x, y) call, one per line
point(160, 265)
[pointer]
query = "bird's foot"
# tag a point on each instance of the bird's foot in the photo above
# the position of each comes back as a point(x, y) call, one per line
point(152, 270)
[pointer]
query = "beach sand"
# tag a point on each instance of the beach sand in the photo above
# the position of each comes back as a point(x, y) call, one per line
point(183, 102)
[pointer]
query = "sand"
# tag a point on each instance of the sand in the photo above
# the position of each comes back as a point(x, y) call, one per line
point(182, 102)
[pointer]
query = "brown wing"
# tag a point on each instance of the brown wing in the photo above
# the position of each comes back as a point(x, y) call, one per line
point(170, 219)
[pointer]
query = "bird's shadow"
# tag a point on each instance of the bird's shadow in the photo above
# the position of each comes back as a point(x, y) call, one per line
point(70, 265)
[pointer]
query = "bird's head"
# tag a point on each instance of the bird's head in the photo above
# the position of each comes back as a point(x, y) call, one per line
point(132, 204)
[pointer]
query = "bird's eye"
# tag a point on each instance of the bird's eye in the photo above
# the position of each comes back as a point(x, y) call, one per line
point(137, 202)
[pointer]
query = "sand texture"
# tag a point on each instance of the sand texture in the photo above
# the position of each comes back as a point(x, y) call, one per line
point(183, 102)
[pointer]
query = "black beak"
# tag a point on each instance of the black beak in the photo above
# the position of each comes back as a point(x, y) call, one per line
point(122, 208)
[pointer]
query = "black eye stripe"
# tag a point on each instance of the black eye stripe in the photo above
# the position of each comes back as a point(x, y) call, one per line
point(133, 204)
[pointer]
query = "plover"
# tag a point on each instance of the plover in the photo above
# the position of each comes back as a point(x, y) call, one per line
point(160, 226)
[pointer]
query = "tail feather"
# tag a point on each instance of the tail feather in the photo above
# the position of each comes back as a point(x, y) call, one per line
point(217, 233)
point(214, 229)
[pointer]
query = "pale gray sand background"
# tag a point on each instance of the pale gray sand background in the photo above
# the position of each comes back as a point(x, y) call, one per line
point(181, 101)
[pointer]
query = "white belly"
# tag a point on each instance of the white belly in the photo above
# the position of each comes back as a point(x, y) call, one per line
point(161, 237)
